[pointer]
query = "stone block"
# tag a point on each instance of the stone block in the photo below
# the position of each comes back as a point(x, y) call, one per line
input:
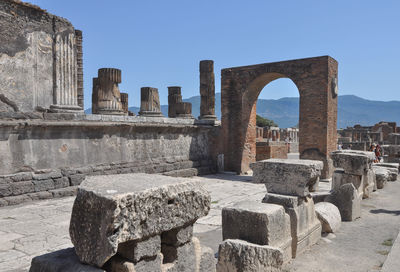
point(304, 224)
point(40, 195)
point(15, 200)
point(120, 264)
point(177, 237)
point(64, 260)
point(43, 185)
point(138, 250)
point(340, 177)
point(258, 223)
point(61, 182)
point(329, 216)
point(287, 176)
point(188, 257)
point(131, 207)
point(381, 176)
point(387, 164)
point(47, 174)
point(369, 181)
point(242, 256)
point(348, 201)
point(391, 172)
point(23, 176)
point(77, 179)
point(62, 192)
point(5, 190)
point(352, 161)
point(22, 187)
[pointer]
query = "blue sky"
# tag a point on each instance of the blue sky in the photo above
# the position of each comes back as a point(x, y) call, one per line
point(160, 43)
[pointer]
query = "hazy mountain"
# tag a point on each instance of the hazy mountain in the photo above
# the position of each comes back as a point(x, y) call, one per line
point(285, 111)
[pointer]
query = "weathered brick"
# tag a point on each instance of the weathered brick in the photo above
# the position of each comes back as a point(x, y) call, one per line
point(5, 190)
point(15, 200)
point(23, 176)
point(68, 191)
point(40, 195)
point(47, 175)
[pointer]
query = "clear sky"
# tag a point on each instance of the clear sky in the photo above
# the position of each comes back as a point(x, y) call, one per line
point(160, 43)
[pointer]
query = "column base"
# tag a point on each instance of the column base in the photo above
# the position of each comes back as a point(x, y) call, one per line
point(111, 112)
point(66, 108)
point(207, 117)
point(151, 114)
point(185, 116)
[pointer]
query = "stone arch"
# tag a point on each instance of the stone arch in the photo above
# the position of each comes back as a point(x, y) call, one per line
point(316, 81)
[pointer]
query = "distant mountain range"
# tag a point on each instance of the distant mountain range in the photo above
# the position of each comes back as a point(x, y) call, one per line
point(352, 110)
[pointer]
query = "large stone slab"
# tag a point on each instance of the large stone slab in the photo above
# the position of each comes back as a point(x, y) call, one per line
point(329, 216)
point(64, 260)
point(352, 161)
point(242, 256)
point(305, 226)
point(287, 176)
point(258, 223)
point(110, 210)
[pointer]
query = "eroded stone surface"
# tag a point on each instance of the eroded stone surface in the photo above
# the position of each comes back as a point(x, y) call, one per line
point(352, 161)
point(64, 260)
point(259, 223)
point(381, 176)
point(348, 201)
point(287, 176)
point(137, 250)
point(329, 216)
point(109, 210)
point(238, 255)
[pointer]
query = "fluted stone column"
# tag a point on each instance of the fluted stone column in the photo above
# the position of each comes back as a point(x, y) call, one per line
point(150, 102)
point(207, 90)
point(184, 110)
point(65, 97)
point(106, 94)
point(174, 97)
point(79, 61)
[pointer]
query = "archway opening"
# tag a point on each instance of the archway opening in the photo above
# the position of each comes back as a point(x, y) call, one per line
point(277, 120)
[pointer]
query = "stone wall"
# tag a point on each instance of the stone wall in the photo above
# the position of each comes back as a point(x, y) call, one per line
point(97, 144)
point(38, 59)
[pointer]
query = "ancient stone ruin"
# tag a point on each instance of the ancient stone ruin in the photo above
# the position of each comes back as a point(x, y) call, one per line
point(134, 222)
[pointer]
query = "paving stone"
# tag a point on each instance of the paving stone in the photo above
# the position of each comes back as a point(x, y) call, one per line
point(329, 216)
point(287, 176)
point(352, 161)
point(130, 207)
point(60, 261)
point(242, 256)
point(137, 250)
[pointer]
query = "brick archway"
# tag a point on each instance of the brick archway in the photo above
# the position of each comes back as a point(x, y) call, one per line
point(316, 80)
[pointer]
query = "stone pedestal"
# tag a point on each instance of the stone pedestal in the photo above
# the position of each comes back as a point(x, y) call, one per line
point(174, 97)
point(106, 97)
point(305, 226)
point(149, 102)
point(258, 223)
point(207, 90)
